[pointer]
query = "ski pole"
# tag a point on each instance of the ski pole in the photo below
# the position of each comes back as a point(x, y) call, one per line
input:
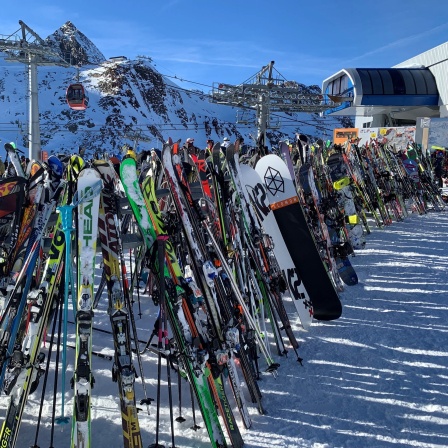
point(47, 368)
point(161, 239)
point(195, 427)
point(272, 367)
point(66, 212)
point(160, 333)
point(179, 419)
point(128, 303)
point(55, 387)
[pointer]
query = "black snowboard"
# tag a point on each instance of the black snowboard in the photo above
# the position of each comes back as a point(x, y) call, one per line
point(298, 238)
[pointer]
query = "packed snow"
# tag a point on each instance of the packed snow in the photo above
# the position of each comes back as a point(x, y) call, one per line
point(376, 377)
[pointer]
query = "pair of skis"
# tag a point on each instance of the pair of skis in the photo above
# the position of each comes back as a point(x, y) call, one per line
point(174, 303)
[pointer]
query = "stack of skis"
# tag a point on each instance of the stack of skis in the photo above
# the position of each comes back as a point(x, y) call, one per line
point(225, 252)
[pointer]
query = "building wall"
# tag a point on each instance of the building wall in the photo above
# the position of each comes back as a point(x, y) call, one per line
point(436, 60)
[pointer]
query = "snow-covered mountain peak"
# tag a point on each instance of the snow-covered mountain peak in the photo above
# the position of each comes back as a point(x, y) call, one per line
point(130, 101)
point(74, 46)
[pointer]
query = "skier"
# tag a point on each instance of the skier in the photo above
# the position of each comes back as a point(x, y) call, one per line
point(154, 162)
point(115, 160)
point(188, 149)
point(128, 152)
point(225, 143)
point(303, 148)
point(242, 146)
point(209, 147)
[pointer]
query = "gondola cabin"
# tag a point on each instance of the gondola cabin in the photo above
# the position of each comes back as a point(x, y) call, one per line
point(77, 97)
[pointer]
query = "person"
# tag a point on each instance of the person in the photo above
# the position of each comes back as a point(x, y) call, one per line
point(114, 159)
point(128, 152)
point(225, 142)
point(303, 148)
point(241, 147)
point(209, 147)
point(155, 165)
point(188, 149)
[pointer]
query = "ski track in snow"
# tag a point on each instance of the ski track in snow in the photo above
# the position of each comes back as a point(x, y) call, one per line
point(376, 377)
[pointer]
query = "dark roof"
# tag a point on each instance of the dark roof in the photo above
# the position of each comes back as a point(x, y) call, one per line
point(395, 81)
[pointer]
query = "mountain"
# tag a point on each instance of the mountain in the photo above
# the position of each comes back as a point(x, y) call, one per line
point(74, 46)
point(129, 102)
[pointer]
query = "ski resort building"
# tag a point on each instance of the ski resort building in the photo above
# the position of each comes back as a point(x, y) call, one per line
point(396, 96)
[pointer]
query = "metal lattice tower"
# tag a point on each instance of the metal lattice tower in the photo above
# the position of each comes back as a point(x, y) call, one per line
point(137, 137)
point(265, 93)
point(27, 47)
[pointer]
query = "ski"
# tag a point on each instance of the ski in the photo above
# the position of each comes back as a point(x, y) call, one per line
point(223, 298)
point(123, 371)
point(83, 380)
point(24, 368)
point(192, 364)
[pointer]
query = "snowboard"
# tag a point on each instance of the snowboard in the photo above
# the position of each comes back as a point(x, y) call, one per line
point(321, 226)
point(291, 221)
point(341, 183)
point(346, 271)
point(259, 199)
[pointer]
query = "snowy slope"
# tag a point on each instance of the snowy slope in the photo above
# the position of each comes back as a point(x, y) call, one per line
point(127, 98)
point(377, 377)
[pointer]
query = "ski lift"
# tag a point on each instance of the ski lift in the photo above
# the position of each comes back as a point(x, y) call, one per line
point(77, 97)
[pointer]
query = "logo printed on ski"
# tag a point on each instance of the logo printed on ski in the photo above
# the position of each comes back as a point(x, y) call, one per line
point(227, 409)
point(294, 282)
point(110, 235)
point(147, 187)
point(7, 188)
point(284, 203)
point(274, 181)
point(259, 197)
point(87, 224)
point(57, 245)
point(5, 437)
point(76, 164)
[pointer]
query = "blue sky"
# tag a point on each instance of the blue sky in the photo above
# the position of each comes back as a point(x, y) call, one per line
point(209, 41)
